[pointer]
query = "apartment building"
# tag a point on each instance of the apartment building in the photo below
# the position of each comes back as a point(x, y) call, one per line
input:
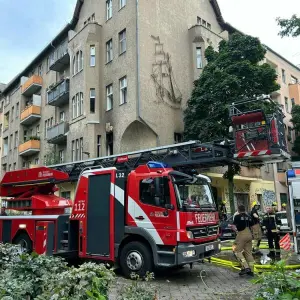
point(115, 79)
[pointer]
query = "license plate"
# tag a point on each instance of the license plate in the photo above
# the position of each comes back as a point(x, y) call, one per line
point(209, 247)
point(227, 234)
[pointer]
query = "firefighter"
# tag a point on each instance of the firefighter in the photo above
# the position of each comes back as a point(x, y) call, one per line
point(256, 229)
point(270, 227)
point(283, 207)
point(223, 210)
point(243, 242)
point(3, 212)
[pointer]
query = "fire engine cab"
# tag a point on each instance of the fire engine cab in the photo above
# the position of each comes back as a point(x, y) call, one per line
point(142, 209)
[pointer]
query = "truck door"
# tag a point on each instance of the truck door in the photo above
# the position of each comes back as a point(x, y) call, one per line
point(100, 216)
point(149, 210)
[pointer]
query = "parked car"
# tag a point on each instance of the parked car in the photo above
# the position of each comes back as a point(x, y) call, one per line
point(226, 229)
point(283, 222)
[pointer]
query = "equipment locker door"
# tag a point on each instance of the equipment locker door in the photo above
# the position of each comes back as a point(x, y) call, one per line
point(100, 216)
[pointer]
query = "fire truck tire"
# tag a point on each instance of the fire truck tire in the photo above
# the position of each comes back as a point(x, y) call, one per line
point(24, 241)
point(136, 258)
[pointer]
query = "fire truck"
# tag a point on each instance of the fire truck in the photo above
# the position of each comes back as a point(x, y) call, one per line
point(140, 210)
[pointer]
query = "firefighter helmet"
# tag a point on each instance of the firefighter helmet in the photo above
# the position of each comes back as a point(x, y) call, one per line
point(274, 204)
point(254, 203)
point(283, 204)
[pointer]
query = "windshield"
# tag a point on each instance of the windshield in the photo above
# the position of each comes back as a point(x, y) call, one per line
point(281, 216)
point(194, 194)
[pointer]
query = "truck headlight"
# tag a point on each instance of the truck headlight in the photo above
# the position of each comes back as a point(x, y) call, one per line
point(189, 234)
point(189, 253)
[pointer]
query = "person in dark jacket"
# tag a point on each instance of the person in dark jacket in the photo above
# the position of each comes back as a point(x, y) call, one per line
point(270, 227)
point(256, 230)
point(3, 212)
point(243, 241)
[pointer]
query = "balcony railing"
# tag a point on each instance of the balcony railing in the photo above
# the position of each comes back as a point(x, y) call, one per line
point(30, 147)
point(30, 115)
point(58, 133)
point(59, 94)
point(31, 85)
point(60, 58)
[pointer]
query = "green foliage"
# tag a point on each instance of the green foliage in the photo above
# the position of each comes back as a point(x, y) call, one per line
point(139, 290)
point(279, 284)
point(296, 146)
point(52, 158)
point(296, 126)
point(89, 281)
point(231, 74)
point(289, 27)
point(40, 277)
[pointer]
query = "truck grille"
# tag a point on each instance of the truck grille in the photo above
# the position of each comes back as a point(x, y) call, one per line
point(200, 232)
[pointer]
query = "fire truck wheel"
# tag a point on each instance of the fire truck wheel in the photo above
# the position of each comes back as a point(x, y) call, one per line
point(24, 242)
point(136, 258)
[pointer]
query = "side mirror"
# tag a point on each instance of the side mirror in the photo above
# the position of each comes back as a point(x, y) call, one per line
point(169, 207)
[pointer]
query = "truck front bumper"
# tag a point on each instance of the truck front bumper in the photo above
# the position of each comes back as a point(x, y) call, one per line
point(188, 253)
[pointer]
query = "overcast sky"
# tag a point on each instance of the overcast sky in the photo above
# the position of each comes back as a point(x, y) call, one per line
point(27, 26)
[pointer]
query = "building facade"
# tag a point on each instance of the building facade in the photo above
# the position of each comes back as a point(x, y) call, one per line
point(117, 78)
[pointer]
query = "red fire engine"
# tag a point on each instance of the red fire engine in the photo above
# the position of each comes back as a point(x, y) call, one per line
point(130, 209)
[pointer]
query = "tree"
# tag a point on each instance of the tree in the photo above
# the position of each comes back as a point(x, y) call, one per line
point(289, 27)
point(231, 74)
point(296, 126)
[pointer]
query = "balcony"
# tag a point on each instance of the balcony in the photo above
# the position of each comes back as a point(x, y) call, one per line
point(30, 147)
point(58, 95)
point(31, 85)
point(30, 115)
point(58, 133)
point(60, 58)
point(281, 177)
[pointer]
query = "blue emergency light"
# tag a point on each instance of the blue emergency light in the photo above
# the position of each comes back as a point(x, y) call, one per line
point(157, 165)
point(291, 174)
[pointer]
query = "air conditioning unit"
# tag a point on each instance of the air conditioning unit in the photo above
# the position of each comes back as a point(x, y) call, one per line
point(108, 128)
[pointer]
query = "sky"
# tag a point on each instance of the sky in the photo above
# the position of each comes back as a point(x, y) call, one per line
point(27, 26)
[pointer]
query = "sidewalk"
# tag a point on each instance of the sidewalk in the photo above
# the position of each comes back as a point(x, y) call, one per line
point(216, 283)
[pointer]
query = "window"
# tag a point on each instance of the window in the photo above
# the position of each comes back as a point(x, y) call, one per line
point(108, 9)
point(6, 120)
point(81, 103)
point(286, 102)
point(46, 129)
point(40, 70)
point(148, 192)
point(290, 134)
point(98, 145)
point(16, 139)
point(62, 116)
point(10, 141)
point(65, 194)
point(92, 56)
point(77, 150)
point(73, 151)
point(283, 75)
point(77, 105)
point(4, 167)
point(122, 3)
point(9, 167)
point(80, 61)
point(198, 20)
point(15, 166)
point(93, 18)
point(81, 149)
point(109, 51)
point(5, 146)
point(37, 130)
point(74, 66)
point(122, 41)
point(294, 80)
point(61, 156)
point(283, 198)
point(293, 102)
point(177, 137)
point(12, 113)
point(123, 90)
point(203, 22)
point(109, 97)
point(209, 26)
point(199, 58)
point(37, 161)
point(92, 100)
point(74, 108)
point(109, 143)
point(17, 110)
